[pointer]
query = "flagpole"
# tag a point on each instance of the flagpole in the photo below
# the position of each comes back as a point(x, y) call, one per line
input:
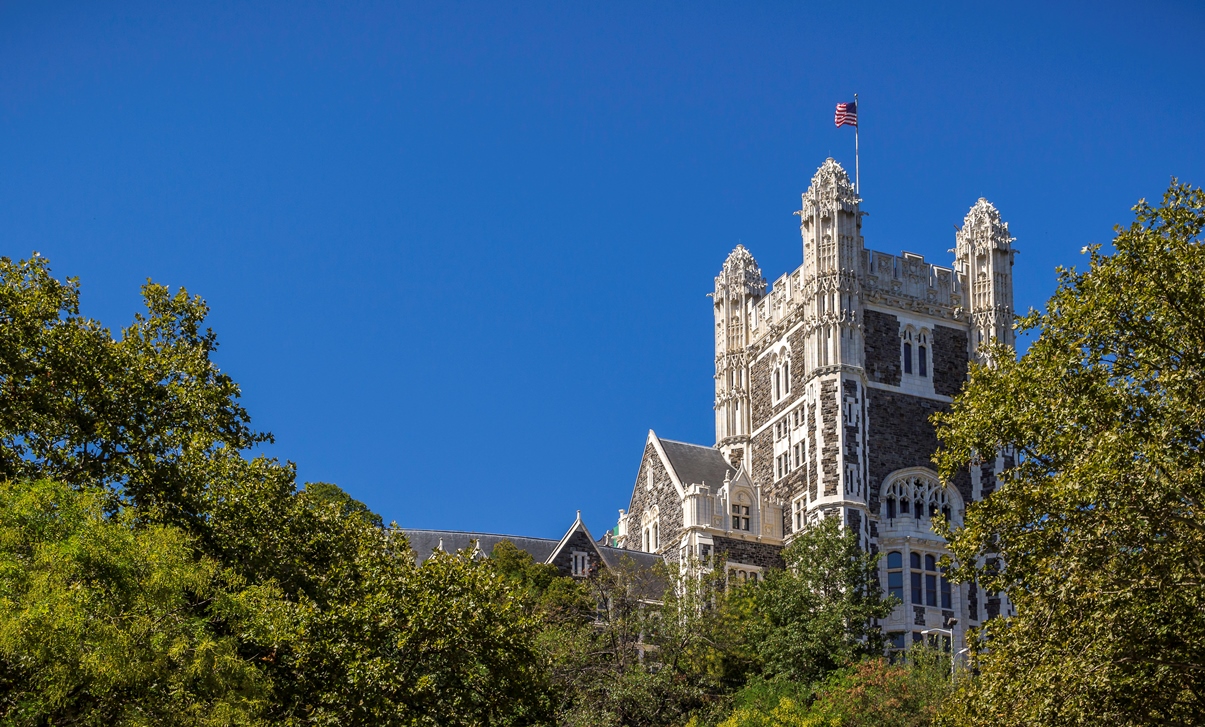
point(857, 169)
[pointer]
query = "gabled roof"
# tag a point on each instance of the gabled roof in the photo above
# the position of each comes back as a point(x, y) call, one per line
point(426, 542)
point(577, 526)
point(695, 464)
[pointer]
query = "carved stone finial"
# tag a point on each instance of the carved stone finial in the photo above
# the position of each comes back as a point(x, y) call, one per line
point(740, 276)
point(983, 227)
point(831, 183)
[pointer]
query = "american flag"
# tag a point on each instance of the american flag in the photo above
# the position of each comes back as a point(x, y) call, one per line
point(847, 113)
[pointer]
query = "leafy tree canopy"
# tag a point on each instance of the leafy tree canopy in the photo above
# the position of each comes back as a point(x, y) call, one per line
point(343, 628)
point(1096, 534)
point(819, 614)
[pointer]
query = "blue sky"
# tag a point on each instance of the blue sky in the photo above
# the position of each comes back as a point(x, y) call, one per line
point(457, 253)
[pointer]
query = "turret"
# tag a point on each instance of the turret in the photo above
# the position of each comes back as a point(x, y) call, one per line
point(738, 288)
point(831, 226)
point(984, 257)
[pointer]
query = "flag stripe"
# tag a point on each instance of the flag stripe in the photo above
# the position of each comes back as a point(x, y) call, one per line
point(847, 114)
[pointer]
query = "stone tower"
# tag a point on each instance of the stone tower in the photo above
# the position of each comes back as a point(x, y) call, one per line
point(738, 288)
point(831, 227)
point(826, 382)
point(984, 257)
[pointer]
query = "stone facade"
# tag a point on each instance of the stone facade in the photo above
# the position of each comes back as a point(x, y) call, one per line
point(825, 385)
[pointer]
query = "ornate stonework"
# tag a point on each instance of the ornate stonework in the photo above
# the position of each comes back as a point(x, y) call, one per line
point(824, 386)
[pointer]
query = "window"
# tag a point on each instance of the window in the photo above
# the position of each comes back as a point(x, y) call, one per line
point(930, 581)
point(656, 536)
point(922, 357)
point(895, 575)
point(581, 563)
point(897, 641)
point(782, 465)
point(920, 496)
point(740, 517)
point(798, 510)
point(918, 598)
point(781, 379)
point(798, 455)
point(947, 599)
point(907, 357)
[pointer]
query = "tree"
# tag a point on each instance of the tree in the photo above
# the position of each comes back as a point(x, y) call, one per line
point(1096, 533)
point(819, 613)
point(652, 653)
point(871, 693)
point(104, 622)
point(345, 628)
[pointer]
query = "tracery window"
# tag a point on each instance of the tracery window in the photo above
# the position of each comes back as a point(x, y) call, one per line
point(919, 496)
point(908, 351)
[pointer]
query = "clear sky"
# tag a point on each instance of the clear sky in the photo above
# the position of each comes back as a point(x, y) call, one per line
point(458, 253)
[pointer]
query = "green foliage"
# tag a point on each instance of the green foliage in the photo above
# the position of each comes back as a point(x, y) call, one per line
point(871, 693)
point(134, 414)
point(105, 622)
point(652, 655)
point(1099, 525)
point(819, 614)
point(307, 610)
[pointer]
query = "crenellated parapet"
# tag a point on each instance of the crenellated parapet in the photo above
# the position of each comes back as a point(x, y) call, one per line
point(908, 282)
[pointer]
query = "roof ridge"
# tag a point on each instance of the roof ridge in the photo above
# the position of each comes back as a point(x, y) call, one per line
point(473, 532)
point(689, 444)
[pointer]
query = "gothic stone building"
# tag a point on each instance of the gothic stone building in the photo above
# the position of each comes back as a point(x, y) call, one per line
point(824, 386)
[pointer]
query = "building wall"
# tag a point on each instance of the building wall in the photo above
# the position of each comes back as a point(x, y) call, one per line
point(663, 495)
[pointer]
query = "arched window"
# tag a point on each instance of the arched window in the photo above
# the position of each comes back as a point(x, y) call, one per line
point(907, 357)
point(780, 380)
point(919, 495)
point(922, 354)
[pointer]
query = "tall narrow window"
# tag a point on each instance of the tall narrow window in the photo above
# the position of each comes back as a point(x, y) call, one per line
point(656, 536)
point(786, 377)
point(907, 357)
point(777, 383)
point(891, 508)
point(895, 575)
point(922, 362)
point(917, 576)
point(930, 581)
point(946, 595)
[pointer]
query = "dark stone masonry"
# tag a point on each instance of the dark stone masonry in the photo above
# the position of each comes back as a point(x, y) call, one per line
point(762, 555)
point(949, 360)
point(882, 337)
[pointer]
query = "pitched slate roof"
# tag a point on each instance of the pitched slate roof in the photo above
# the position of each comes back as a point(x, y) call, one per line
point(696, 464)
point(424, 543)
